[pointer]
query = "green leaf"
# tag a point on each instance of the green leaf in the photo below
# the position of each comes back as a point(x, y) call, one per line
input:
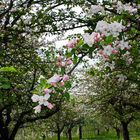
point(5, 86)
point(8, 69)
point(43, 82)
point(68, 84)
point(80, 43)
point(66, 95)
point(75, 59)
point(85, 47)
point(109, 40)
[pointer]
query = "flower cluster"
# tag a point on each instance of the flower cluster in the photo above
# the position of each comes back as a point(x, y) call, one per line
point(57, 78)
point(61, 63)
point(125, 7)
point(95, 9)
point(122, 45)
point(93, 38)
point(109, 29)
point(110, 65)
point(42, 101)
point(72, 43)
point(127, 58)
point(121, 78)
point(107, 51)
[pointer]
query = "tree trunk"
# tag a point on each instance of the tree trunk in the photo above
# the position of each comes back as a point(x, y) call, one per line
point(118, 131)
point(58, 135)
point(69, 134)
point(98, 132)
point(107, 129)
point(80, 132)
point(125, 131)
point(4, 133)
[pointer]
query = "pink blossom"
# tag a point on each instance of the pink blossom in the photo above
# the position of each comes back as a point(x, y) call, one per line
point(63, 64)
point(50, 106)
point(102, 35)
point(56, 78)
point(101, 52)
point(37, 109)
point(47, 90)
point(96, 39)
point(106, 57)
point(58, 64)
point(68, 61)
point(35, 98)
point(65, 78)
point(114, 51)
point(59, 58)
point(53, 84)
point(62, 83)
point(72, 43)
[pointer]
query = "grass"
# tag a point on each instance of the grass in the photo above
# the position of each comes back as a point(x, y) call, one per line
point(109, 136)
point(30, 134)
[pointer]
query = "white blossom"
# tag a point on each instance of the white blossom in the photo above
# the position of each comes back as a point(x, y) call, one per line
point(43, 100)
point(37, 109)
point(109, 29)
point(122, 45)
point(116, 28)
point(35, 98)
point(95, 9)
point(103, 27)
point(90, 39)
point(110, 65)
point(108, 50)
point(56, 78)
point(121, 78)
point(125, 7)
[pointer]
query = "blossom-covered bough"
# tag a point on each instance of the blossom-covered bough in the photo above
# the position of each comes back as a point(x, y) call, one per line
point(114, 40)
point(110, 40)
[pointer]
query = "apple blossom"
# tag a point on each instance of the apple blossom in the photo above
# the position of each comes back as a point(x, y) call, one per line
point(72, 43)
point(65, 78)
point(68, 61)
point(103, 27)
point(44, 99)
point(59, 58)
point(125, 7)
point(50, 106)
point(59, 64)
point(35, 98)
point(108, 50)
point(122, 45)
point(63, 64)
point(90, 39)
point(109, 29)
point(95, 9)
point(56, 78)
point(47, 91)
point(115, 28)
point(37, 109)
point(121, 78)
point(110, 65)
point(62, 83)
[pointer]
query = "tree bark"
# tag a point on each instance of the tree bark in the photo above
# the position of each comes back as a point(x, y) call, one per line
point(118, 131)
point(80, 132)
point(98, 132)
point(58, 135)
point(70, 134)
point(125, 131)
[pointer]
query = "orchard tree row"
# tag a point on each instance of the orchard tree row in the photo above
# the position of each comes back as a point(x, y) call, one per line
point(29, 82)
